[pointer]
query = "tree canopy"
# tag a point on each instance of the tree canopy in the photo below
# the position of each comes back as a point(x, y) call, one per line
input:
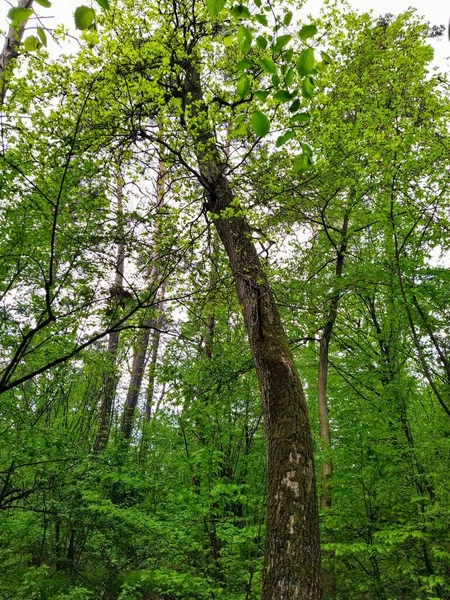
point(224, 307)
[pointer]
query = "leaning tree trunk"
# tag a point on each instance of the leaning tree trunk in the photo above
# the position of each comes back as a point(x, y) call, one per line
point(142, 342)
point(10, 50)
point(322, 399)
point(292, 556)
point(110, 376)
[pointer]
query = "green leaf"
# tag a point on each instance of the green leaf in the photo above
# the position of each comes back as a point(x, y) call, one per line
point(244, 64)
point(262, 19)
point(243, 86)
point(244, 37)
point(240, 12)
point(289, 77)
point(44, 3)
point(214, 6)
point(287, 18)
point(19, 14)
point(267, 65)
point(275, 80)
point(305, 62)
point(288, 54)
point(258, 3)
point(228, 41)
point(294, 106)
point(301, 117)
point(262, 95)
point(283, 96)
point(307, 31)
point(307, 150)
point(307, 87)
point(42, 36)
point(84, 17)
point(302, 162)
point(326, 58)
point(260, 123)
point(288, 135)
point(281, 42)
point(31, 43)
point(261, 42)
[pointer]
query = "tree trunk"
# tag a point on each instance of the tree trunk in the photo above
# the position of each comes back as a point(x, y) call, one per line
point(156, 338)
point(141, 348)
point(10, 50)
point(327, 467)
point(110, 376)
point(292, 557)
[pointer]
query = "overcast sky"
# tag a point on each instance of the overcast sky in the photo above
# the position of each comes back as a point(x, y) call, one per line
point(432, 10)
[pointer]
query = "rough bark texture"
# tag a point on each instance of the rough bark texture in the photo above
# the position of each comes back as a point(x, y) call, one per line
point(327, 467)
point(141, 348)
point(11, 49)
point(110, 375)
point(292, 557)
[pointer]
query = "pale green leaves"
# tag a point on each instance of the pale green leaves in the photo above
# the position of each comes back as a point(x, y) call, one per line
point(44, 3)
point(283, 96)
point(307, 31)
point(18, 15)
point(84, 17)
point(281, 42)
point(260, 123)
point(288, 135)
point(262, 19)
point(31, 43)
point(42, 36)
point(287, 18)
point(215, 6)
point(239, 11)
point(261, 42)
point(300, 117)
point(303, 161)
point(243, 86)
point(244, 38)
point(308, 87)
point(267, 65)
point(305, 62)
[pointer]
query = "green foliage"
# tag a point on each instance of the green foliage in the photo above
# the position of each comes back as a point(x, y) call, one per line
point(18, 14)
point(178, 510)
point(260, 123)
point(84, 17)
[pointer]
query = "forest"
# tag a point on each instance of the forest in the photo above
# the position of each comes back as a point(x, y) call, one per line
point(224, 304)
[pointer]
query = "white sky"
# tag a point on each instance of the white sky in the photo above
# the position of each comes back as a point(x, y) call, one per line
point(432, 10)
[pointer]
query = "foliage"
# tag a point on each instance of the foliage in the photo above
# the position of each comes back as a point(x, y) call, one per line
point(177, 511)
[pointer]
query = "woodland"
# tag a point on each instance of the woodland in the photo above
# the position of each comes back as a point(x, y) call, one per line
point(224, 304)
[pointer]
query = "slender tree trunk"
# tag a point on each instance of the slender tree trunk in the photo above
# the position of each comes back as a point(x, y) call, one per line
point(292, 557)
point(327, 467)
point(141, 348)
point(10, 50)
point(156, 339)
point(110, 375)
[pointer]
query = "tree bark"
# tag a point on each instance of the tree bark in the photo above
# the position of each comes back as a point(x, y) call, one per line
point(10, 50)
point(110, 376)
point(292, 556)
point(156, 339)
point(322, 399)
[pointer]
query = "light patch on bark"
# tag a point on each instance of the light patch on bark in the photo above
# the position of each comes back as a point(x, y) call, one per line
point(291, 525)
point(289, 482)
